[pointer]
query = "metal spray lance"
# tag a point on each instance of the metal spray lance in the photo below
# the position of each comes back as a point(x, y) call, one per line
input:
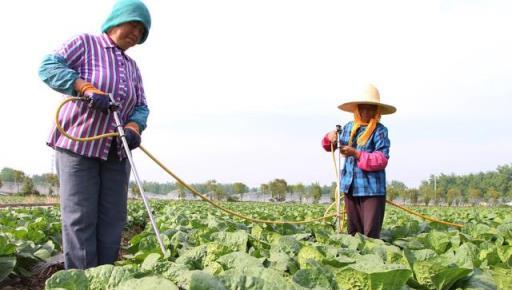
point(114, 107)
point(339, 133)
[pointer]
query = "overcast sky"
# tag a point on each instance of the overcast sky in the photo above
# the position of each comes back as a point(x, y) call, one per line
point(245, 90)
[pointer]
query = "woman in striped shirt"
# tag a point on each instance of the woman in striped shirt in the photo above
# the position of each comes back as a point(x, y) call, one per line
point(365, 145)
point(94, 175)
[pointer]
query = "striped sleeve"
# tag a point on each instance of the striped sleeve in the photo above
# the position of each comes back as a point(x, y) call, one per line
point(73, 51)
point(141, 95)
point(140, 112)
point(60, 70)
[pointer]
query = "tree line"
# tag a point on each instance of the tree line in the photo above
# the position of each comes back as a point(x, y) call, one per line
point(26, 184)
point(279, 189)
point(493, 187)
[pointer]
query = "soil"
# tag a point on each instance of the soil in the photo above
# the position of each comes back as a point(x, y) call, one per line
point(37, 280)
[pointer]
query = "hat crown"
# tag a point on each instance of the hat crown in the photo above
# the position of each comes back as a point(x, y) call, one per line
point(371, 94)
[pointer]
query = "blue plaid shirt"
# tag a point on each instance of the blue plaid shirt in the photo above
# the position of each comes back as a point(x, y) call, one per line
point(364, 183)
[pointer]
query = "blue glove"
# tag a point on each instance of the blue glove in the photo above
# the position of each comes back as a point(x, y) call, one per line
point(99, 102)
point(132, 138)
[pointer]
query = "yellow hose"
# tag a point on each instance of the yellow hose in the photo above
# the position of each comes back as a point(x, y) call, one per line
point(337, 193)
point(424, 216)
point(57, 124)
point(231, 212)
point(205, 198)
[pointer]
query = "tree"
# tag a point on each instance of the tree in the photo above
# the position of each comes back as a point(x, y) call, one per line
point(210, 186)
point(181, 190)
point(453, 195)
point(52, 180)
point(300, 189)
point(219, 192)
point(396, 189)
point(333, 191)
point(135, 189)
point(19, 176)
point(7, 174)
point(426, 191)
point(503, 178)
point(199, 187)
point(28, 186)
point(264, 188)
point(1, 184)
point(278, 188)
point(475, 195)
point(315, 191)
point(215, 189)
point(413, 194)
point(240, 188)
point(494, 195)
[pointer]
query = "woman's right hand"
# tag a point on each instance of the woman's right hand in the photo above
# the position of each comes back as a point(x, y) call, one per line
point(332, 136)
point(98, 100)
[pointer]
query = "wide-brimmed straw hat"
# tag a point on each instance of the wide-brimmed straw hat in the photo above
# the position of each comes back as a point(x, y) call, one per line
point(370, 96)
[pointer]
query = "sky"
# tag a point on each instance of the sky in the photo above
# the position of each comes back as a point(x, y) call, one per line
point(245, 90)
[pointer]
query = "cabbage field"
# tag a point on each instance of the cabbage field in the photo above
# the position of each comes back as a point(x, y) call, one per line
point(207, 249)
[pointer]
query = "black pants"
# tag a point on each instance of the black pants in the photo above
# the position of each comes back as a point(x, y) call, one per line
point(365, 214)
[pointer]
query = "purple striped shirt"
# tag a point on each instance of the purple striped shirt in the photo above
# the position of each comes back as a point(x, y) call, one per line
point(98, 61)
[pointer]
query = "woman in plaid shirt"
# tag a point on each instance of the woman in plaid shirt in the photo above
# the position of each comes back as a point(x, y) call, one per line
point(365, 145)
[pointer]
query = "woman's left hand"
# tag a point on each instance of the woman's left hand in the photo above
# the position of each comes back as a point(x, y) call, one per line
point(132, 138)
point(349, 151)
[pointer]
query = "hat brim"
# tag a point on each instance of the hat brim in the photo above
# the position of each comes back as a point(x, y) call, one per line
point(351, 106)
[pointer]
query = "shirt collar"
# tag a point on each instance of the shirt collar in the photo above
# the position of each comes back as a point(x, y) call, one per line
point(106, 41)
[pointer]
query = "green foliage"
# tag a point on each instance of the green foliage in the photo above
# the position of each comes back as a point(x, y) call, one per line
point(6, 266)
point(207, 249)
point(396, 189)
point(315, 191)
point(372, 276)
point(240, 188)
point(134, 188)
point(300, 189)
point(70, 280)
point(147, 283)
point(107, 276)
point(413, 195)
point(181, 191)
point(493, 186)
point(11, 175)
point(278, 188)
point(453, 195)
point(28, 187)
point(215, 189)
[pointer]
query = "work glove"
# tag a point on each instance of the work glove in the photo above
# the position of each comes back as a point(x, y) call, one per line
point(98, 100)
point(131, 132)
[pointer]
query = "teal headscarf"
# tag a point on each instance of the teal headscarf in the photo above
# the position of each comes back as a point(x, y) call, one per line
point(126, 11)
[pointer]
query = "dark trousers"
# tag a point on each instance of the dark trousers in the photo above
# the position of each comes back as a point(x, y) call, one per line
point(93, 198)
point(365, 214)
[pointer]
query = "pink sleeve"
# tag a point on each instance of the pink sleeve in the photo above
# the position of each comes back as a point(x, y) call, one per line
point(374, 161)
point(327, 144)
